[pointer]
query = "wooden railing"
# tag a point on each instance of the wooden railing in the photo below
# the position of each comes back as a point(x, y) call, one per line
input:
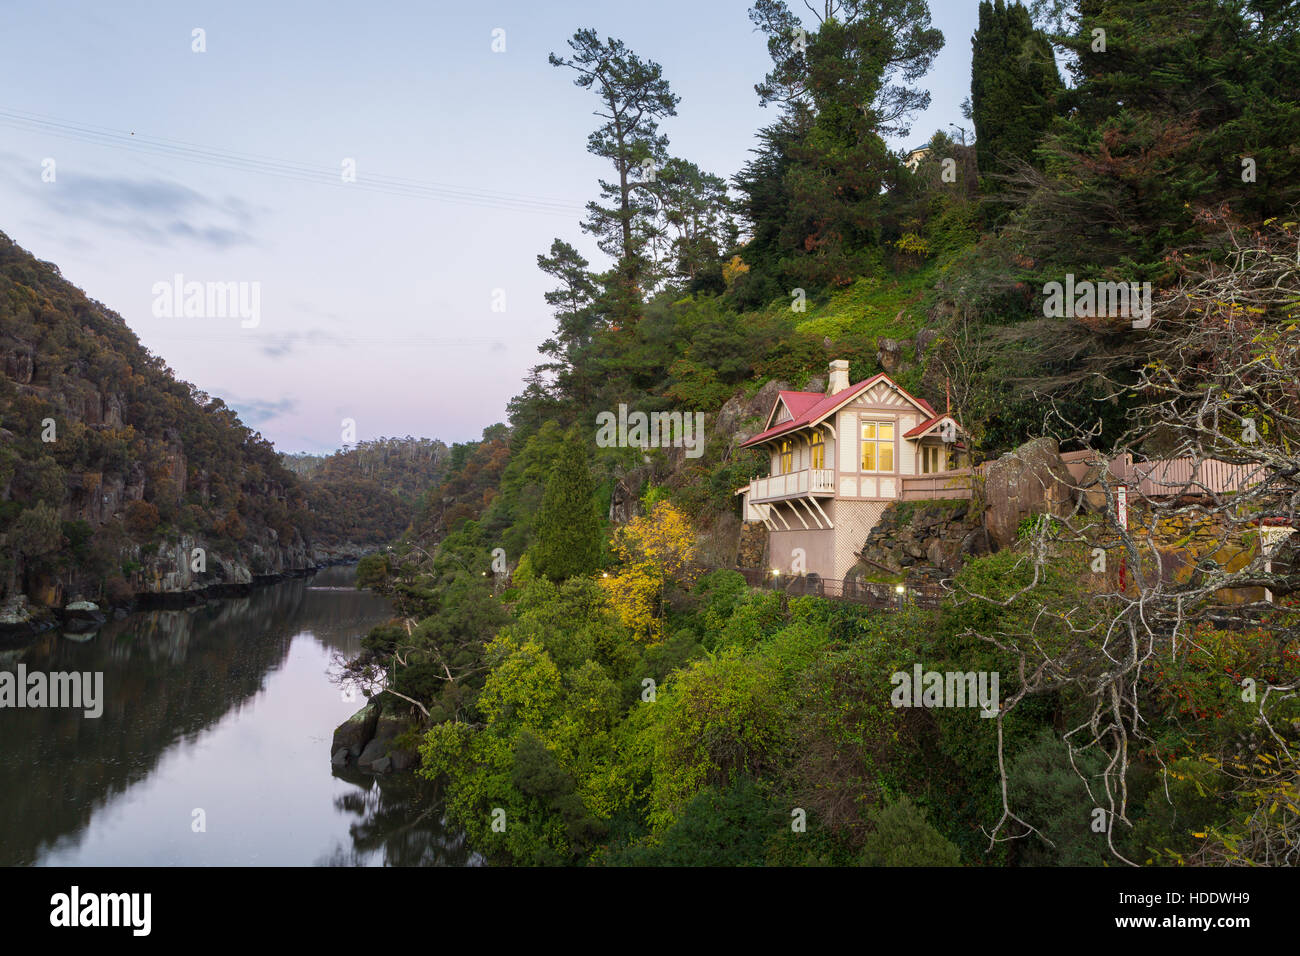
point(817, 481)
point(957, 483)
point(1169, 477)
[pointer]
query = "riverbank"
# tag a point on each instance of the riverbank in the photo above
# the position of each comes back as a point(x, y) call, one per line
point(226, 708)
point(22, 620)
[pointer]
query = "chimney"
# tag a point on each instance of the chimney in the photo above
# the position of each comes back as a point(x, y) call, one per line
point(839, 377)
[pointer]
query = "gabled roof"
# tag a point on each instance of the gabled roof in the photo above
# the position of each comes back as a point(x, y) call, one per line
point(816, 407)
point(796, 402)
point(926, 427)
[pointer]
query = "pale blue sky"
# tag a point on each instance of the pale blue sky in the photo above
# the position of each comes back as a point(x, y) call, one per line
point(376, 304)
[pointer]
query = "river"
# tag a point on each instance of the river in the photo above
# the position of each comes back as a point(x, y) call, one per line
point(213, 747)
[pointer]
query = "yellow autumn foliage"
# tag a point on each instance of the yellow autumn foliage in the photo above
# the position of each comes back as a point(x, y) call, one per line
point(654, 550)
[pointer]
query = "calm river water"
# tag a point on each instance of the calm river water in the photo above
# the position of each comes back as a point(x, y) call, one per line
point(226, 708)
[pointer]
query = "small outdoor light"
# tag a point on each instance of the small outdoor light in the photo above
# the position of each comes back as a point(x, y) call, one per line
point(900, 590)
point(776, 572)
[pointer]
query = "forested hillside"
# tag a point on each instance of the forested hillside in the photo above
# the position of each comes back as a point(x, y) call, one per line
point(112, 471)
point(614, 699)
point(368, 493)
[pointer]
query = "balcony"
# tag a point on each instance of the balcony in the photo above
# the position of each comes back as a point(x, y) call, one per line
point(797, 484)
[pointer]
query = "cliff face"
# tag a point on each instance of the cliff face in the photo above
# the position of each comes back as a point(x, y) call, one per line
point(116, 478)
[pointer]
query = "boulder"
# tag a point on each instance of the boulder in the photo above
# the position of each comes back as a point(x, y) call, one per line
point(1092, 493)
point(373, 751)
point(377, 750)
point(357, 731)
point(923, 339)
point(340, 758)
point(889, 353)
point(403, 759)
point(82, 616)
point(1031, 480)
point(17, 617)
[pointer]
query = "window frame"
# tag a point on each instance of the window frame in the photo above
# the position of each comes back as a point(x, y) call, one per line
point(877, 443)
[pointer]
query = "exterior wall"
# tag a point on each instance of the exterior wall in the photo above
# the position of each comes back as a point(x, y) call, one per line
point(853, 522)
point(818, 545)
point(830, 553)
point(879, 403)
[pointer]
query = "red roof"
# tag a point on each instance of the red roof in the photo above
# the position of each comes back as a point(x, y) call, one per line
point(800, 402)
point(809, 407)
point(924, 426)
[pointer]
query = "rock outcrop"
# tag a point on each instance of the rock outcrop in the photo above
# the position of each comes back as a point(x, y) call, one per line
point(369, 739)
point(924, 539)
point(1031, 480)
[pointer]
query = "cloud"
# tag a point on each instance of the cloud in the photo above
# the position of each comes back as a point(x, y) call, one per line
point(255, 411)
point(155, 211)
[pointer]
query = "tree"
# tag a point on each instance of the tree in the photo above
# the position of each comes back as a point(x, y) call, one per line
point(656, 550)
point(1189, 619)
point(903, 837)
point(142, 520)
point(37, 533)
point(846, 87)
point(1014, 88)
point(567, 532)
point(633, 96)
point(694, 221)
point(576, 320)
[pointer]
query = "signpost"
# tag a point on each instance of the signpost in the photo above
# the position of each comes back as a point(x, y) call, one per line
point(1121, 518)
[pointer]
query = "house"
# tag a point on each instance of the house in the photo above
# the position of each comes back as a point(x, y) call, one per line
point(915, 156)
point(837, 461)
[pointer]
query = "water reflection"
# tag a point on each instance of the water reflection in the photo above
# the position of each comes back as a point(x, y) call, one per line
point(396, 820)
point(227, 709)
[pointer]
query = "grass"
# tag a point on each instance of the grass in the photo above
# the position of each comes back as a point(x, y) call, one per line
point(892, 306)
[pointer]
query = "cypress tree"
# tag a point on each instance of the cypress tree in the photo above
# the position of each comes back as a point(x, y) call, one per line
point(1015, 87)
point(568, 532)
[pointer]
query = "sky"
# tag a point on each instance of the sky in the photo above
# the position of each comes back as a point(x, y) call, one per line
point(408, 300)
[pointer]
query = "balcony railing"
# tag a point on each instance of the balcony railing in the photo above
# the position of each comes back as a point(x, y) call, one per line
point(810, 481)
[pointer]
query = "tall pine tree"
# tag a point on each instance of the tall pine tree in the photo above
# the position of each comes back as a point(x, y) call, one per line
point(567, 534)
point(1015, 88)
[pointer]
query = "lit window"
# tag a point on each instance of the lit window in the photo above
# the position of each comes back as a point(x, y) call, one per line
point(878, 446)
point(787, 456)
point(818, 450)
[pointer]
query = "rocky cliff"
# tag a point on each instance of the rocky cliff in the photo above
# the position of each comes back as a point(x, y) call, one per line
point(119, 482)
